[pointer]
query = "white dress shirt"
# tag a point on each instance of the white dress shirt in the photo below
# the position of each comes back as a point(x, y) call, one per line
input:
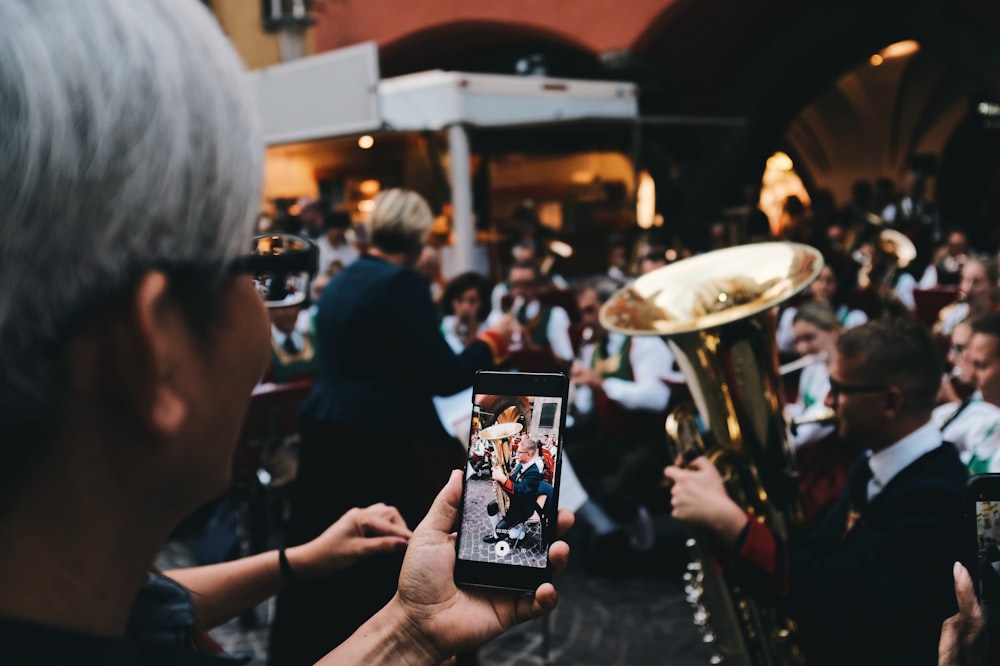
point(890, 461)
point(557, 332)
point(652, 365)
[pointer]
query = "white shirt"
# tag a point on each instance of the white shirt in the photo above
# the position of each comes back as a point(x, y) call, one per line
point(448, 323)
point(345, 253)
point(814, 384)
point(652, 365)
point(889, 462)
point(280, 337)
point(905, 284)
point(976, 431)
point(950, 315)
point(501, 289)
point(557, 332)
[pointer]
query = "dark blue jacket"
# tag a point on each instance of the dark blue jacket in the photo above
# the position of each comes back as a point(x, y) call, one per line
point(380, 354)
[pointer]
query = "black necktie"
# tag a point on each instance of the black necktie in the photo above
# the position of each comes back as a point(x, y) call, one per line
point(858, 490)
point(289, 345)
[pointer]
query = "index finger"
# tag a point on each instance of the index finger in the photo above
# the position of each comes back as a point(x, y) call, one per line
point(378, 526)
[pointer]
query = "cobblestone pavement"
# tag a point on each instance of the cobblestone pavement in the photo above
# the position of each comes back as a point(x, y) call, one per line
point(636, 616)
point(476, 524)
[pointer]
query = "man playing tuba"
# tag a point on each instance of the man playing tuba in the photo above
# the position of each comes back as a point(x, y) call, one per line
point(872, 582)
point(521, 487)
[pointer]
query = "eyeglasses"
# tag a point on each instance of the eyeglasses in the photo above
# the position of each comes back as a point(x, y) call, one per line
point(836, 388)
point(282, 266)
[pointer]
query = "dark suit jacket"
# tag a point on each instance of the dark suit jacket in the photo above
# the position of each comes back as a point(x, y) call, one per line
point(879, 594)
point(523, 491)
point(380, 354)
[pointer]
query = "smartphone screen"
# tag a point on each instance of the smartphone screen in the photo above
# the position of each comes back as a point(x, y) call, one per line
point(983, 509)
point(511, 488)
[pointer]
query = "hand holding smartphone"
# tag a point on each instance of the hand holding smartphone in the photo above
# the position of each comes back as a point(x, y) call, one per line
point(511, 485)
point(983, 520)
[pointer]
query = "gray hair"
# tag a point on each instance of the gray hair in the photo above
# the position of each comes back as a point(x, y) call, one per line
point(400, 222)
point(127, 140)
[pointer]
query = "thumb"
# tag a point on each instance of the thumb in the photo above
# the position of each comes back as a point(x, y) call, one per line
point(444, 512)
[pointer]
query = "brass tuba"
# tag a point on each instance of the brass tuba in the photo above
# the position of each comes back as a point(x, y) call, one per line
point(718, 313)
point(499, 435)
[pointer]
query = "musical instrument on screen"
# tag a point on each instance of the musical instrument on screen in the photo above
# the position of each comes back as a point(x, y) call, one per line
point(499, 435)
point(718, 313)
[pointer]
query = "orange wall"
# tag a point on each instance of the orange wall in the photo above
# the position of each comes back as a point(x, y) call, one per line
point(241, 21)
point(599, 25)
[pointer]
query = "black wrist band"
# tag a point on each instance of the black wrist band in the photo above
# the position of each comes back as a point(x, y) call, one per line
point(286, 568)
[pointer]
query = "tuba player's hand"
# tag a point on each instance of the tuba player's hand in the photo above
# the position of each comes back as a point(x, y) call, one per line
point(698, 498)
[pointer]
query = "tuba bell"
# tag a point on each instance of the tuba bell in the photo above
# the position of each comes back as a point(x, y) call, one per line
point(718, 313)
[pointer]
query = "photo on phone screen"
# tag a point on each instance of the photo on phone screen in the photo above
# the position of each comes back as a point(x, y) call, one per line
point(985, 519)
point(510, 492)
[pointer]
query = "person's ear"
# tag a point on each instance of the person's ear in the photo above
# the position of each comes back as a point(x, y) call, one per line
point(158, 337)
point(894, 401)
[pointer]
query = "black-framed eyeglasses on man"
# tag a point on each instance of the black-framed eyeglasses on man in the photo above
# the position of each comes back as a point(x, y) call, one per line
point(837, 388)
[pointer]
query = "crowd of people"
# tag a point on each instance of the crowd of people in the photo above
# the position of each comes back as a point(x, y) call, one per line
point(850, 336)
point(134, 338)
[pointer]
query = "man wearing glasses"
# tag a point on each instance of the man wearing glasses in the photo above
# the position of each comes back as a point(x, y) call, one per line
point(872, 582)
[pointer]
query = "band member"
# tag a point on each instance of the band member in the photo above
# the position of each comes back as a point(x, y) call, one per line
point(541, 326)
point(872, 582)
point(522, 488)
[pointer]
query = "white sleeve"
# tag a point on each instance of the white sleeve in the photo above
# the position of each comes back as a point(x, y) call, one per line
point(855, 318)
point(786, 336)
point(496, 297)
point(558, 334)
point(904, 290)
point(652, 362)
point(889, 213)
point(448, 330)
point(929, 279)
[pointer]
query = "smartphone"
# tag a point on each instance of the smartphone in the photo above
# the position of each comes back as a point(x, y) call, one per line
point(510, 491)
point(983, 521)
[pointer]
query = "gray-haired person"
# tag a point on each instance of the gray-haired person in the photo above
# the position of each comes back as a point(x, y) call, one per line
point(130, 171)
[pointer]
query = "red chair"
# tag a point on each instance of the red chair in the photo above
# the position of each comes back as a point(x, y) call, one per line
point(271, 418)
point(928, 302)
point(273, 411)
